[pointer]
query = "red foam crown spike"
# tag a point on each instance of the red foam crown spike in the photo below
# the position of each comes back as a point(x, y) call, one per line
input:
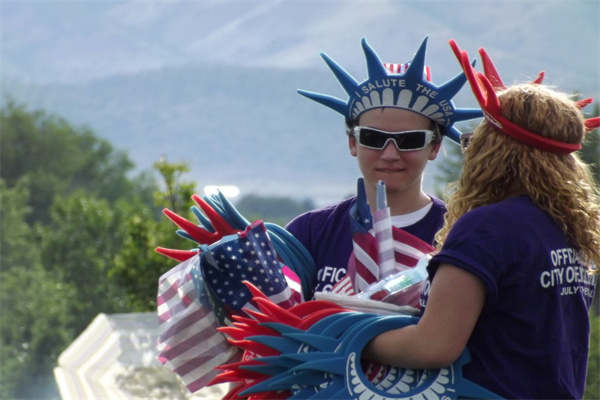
point(484, 86)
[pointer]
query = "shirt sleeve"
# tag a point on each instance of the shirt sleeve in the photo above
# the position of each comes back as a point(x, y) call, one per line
point(299, 227)
point(475, 244)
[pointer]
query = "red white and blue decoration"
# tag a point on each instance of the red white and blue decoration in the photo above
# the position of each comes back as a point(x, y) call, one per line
point(313, 351)
point(390, 85)
point(233, 311)
point(387, 263)
point(204, 291)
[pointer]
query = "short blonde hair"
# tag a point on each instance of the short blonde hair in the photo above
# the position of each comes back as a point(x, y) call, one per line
point(497, 166)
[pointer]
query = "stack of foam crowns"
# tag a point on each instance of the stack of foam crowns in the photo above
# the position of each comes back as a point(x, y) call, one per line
point(241, 288)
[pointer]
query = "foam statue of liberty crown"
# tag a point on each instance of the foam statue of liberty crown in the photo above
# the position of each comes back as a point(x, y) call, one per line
point(313, 351)
point(410, 90)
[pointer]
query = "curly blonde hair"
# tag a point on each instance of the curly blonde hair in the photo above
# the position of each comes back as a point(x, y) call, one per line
point(497, 167)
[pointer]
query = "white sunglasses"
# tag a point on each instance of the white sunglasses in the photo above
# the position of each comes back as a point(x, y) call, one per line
point(377, 139)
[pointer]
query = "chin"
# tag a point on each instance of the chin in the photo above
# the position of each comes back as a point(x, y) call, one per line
point(394, 179)
point(393, 185)
point(398, 183)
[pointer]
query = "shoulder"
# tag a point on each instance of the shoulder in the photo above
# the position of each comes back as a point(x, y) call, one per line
point(515, 210)
point(438, 207)
point(499, 222)
point(488, 240)
point(437, 203)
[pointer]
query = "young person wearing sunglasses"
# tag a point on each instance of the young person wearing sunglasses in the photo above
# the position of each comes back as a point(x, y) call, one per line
point(515, 276)
point(395, 122)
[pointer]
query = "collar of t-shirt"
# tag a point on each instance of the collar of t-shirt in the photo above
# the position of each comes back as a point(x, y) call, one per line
point(400, 221)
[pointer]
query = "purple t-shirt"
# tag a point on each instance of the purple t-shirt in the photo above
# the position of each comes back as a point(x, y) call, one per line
point(531, 339)
point(327, 234)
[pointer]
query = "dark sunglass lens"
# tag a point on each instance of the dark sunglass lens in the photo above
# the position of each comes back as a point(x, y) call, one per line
point(372, 138)
point(412, 140)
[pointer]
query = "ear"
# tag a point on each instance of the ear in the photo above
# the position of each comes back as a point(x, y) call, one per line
point(433, 152)
point(352, 145)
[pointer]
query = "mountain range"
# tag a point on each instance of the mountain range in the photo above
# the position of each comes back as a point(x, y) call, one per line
point(213, 83)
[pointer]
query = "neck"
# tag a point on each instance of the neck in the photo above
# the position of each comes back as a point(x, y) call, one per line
point(400, 201)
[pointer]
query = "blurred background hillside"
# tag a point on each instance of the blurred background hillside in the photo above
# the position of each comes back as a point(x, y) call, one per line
point(113, 110)
point(213, 83)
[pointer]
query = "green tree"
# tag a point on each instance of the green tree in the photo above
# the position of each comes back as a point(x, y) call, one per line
point(592, 384)
point(62, 224)
point(16, 250)
point(137, 266)
point(35, 313)
point(56, 157)
point(78, 247)
point(590, 151)
point(177, 194)
point(35, 327)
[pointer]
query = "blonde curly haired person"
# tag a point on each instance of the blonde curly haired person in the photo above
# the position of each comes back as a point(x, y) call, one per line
point(498, 167)
point(515, 273)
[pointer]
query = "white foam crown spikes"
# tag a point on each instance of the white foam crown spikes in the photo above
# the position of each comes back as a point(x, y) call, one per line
point(409, 90)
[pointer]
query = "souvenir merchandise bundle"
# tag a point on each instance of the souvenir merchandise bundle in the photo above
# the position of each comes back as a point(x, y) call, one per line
point(241, 289)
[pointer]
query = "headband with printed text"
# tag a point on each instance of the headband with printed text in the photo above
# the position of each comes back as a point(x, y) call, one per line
point(409, 88)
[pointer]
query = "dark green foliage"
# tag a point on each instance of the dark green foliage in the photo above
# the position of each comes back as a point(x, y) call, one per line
point(137, 267)
point(16, 234)
point(35, 319)
point(60, 232)
point(590, 153)
point(53, 157)
point(592, 384)
point(78, 247)
point(177, 194)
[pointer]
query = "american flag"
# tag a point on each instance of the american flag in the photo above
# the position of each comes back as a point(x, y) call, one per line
point(188, 340)
point(401, 68)
point(246, 256)
point(363, 265)
point(379, 249)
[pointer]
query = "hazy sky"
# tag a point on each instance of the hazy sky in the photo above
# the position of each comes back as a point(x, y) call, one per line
point(75, 40)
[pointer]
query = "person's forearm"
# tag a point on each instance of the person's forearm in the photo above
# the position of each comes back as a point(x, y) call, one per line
point(455, 302)
point(408, 347)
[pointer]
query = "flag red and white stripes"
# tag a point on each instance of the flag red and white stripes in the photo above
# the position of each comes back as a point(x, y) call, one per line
point(188, 341)
point(364, 263)
point(294, 284)
point(401, 68)
point(382, 227)
point(409, 249)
